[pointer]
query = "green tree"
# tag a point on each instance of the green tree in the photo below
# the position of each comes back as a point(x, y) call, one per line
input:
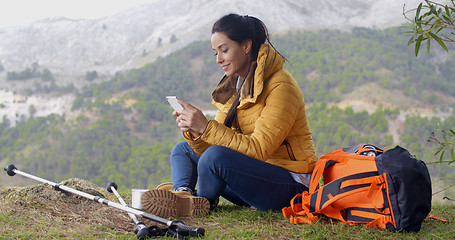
point(91, 75)
point(46, 75)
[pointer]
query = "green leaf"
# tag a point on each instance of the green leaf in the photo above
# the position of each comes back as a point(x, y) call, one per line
point(419, 23)
point(443, 45)
point(442, 156)
point(437, 31)
point(418, 42)
point(453, 132)
point(452, 155)
point(419, 8)
point(433, 9)
point(436, 153)
point(411, 40)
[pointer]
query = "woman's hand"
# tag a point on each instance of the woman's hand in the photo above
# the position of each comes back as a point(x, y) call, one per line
point(190, 119)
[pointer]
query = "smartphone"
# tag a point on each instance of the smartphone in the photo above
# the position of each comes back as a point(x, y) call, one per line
point(173, 100)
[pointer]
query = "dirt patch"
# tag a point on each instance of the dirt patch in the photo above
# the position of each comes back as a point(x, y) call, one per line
point(314, 75)
point(44, 202)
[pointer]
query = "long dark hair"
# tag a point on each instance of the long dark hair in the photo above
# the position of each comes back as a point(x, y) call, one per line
point(240, 28)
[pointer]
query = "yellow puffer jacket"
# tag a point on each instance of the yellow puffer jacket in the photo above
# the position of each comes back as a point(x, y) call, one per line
point(271, 122)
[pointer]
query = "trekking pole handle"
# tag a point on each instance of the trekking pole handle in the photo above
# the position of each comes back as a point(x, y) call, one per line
point(112, 188)
point(10, 170)
point(185, 230)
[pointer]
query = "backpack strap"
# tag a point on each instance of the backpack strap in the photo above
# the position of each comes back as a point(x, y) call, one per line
point(294, 208)
point(298, 212)
point(318, 170)
point(373, 180)
point(377, 184)
point(436, 218)
point(381, 222)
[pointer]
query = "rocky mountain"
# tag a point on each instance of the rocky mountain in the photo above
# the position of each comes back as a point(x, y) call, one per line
point(131, 38)
point(70, 48)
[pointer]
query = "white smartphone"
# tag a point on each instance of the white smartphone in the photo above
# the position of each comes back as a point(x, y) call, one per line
point(173, 100)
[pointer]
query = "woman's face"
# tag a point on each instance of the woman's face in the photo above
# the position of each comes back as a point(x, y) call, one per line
point(233, 57)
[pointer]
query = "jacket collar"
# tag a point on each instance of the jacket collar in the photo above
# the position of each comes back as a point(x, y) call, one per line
point(227, 86)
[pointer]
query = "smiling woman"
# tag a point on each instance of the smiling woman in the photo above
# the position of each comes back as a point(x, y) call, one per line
point(258, 151)
point(20, 12)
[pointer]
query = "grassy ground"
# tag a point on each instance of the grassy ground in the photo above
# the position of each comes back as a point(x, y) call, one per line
point(41, 212)
point(233, 222)
point(32, 219)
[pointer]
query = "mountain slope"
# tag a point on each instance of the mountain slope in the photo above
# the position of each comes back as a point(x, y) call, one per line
point(71, 48)
point(136, 36)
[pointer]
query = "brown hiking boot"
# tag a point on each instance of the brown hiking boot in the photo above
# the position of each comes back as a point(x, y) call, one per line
point(168, 186)
point(166, 203)
point(165, 186)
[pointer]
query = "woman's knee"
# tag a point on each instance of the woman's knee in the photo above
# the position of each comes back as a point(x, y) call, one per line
point(181, 147)
point(212, 155)
point(215, 151)
point(180, 150)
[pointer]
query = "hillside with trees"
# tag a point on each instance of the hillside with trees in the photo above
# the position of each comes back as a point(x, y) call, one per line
point(123, 130)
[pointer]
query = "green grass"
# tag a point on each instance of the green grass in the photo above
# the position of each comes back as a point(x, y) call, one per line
point(241, 223)
point(226, 222)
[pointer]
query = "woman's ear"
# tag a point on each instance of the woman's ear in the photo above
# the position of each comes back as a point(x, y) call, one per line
point(247, 45)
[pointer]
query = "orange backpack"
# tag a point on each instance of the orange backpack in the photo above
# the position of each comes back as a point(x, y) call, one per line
point(364, 184)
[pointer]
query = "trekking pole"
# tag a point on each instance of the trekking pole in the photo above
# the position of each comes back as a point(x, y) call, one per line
point(176, 226)
point(140, 229)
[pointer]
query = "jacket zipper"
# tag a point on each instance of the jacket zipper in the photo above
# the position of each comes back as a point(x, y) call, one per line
point(289, 149)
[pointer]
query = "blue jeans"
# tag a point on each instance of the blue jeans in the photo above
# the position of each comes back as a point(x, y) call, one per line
point(240, 179)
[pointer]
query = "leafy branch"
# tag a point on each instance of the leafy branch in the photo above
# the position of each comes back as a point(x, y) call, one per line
point(446, 144)
point(430, 20)
point(434, 21)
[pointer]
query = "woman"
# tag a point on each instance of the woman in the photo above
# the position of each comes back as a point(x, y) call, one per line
point(258, 151)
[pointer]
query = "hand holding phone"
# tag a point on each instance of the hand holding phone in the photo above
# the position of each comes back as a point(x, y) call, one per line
point(173, 100)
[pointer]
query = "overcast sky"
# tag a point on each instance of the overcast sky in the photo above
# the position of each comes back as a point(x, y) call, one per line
point(19, 12)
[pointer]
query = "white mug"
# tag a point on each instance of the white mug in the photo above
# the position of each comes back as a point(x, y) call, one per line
point(136, 198)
